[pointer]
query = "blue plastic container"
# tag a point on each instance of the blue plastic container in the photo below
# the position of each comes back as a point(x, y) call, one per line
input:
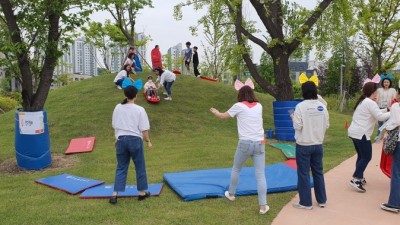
point(32, 150)
point(283, 123)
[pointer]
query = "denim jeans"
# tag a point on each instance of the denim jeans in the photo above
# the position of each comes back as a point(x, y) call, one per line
point(310, 157)
point(130, 147)
point(394, 197)
point(364, 154)
point(168, 86)
point(255, 150)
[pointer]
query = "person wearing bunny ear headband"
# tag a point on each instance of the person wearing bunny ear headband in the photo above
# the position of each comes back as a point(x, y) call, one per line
point(251, 144)
point(303, 78)
point(366, 114)
point(385, 95)
point(310, 122)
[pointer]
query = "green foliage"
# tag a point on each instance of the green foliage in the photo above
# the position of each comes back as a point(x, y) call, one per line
point(379, 25)
point(7, 104)
point(185, 135)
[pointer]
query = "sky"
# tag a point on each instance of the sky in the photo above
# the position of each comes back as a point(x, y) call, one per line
point(165, 31)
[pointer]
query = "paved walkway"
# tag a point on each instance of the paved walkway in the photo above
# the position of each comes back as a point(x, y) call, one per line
point(345, 206)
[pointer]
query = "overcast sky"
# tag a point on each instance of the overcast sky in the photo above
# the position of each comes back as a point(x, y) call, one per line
point(164, 30)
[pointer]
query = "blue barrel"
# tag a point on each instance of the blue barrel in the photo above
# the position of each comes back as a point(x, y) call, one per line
point(32, 150)
point(283, 123)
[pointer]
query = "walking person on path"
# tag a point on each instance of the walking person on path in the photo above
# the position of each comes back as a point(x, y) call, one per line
point(248, 112)
point(366, 114)
point(393, 204)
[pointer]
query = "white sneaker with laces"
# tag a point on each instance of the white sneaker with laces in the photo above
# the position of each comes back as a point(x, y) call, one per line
point(229, 196)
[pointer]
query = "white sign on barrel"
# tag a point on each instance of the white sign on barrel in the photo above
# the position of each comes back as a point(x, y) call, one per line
point(31, 122)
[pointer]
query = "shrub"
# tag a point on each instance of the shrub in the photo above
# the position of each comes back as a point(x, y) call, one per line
point(7, 104)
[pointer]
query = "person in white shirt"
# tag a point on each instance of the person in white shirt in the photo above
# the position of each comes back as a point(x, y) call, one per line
point(385, 96)
point(131, 125)
point(150, 87)
point(310, 122)
point(393, 204)
point(366, 114)
point(167, 79)
point(248, 112)
point(124, 73)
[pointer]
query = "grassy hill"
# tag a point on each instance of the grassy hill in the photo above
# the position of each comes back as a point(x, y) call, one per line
point(185, 136)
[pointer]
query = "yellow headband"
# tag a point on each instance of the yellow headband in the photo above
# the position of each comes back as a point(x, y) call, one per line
point(303, 78)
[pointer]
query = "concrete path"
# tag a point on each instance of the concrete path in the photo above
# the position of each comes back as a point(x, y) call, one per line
point(345, 205)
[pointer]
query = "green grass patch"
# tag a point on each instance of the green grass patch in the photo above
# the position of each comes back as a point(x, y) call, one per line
point(185, 135)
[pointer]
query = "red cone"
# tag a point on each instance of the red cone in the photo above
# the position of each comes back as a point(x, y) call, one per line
point(347, 125)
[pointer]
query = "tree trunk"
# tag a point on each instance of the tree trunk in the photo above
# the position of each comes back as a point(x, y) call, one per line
point(282, 77)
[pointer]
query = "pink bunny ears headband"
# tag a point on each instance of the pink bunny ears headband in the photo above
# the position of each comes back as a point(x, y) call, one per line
point(239, 84)
point(376, 79)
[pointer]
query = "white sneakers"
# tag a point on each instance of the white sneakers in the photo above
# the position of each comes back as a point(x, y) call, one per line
point(232, 198)
point(168, 99)
point(262, 212)
point(229, 196)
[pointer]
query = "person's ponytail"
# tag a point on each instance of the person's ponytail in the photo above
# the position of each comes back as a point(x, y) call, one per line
point(124, 101)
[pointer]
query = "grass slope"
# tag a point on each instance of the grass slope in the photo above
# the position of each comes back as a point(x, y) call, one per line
point(185, 135)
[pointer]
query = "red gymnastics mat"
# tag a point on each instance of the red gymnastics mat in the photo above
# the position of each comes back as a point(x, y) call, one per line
point(79, 145)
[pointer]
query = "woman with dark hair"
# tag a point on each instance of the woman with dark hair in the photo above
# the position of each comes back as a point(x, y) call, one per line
point(248, 112)
point(131, 125)
point(124, 73)
point(310, 122)
point(385, 95)
point(167, 79)
point(366, 114)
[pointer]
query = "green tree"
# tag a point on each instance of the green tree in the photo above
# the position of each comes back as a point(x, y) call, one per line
point(218, 32)
point(288, 26)
point(124, 13)
point(34, 31)
point(379, 29)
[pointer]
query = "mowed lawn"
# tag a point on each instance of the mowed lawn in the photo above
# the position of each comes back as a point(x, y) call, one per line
point(185, 135)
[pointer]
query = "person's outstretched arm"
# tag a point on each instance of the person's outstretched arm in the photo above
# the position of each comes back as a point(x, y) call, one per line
point(220, 115)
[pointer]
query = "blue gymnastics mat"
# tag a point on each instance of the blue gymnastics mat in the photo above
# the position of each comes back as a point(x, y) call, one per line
point(212, 183)
point(69, 183)
point(106, 190)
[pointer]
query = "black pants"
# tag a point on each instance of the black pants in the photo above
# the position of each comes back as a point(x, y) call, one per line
point(196, 71)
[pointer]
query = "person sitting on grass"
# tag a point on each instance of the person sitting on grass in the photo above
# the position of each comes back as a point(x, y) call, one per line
point(124, 73)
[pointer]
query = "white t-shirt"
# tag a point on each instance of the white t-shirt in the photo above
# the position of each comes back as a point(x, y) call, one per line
point(167, 76)
point(385, 97)
point(249, 120)
point(310, 121)
point(149, 84)
point(364, 119)
point(121, 75)
point(129, 119)
point(394, 120)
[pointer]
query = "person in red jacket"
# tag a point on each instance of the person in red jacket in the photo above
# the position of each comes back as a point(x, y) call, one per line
point(156, 57)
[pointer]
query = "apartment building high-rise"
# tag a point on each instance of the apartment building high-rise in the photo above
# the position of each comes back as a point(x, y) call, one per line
point(175, 53)
point(84, 58)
